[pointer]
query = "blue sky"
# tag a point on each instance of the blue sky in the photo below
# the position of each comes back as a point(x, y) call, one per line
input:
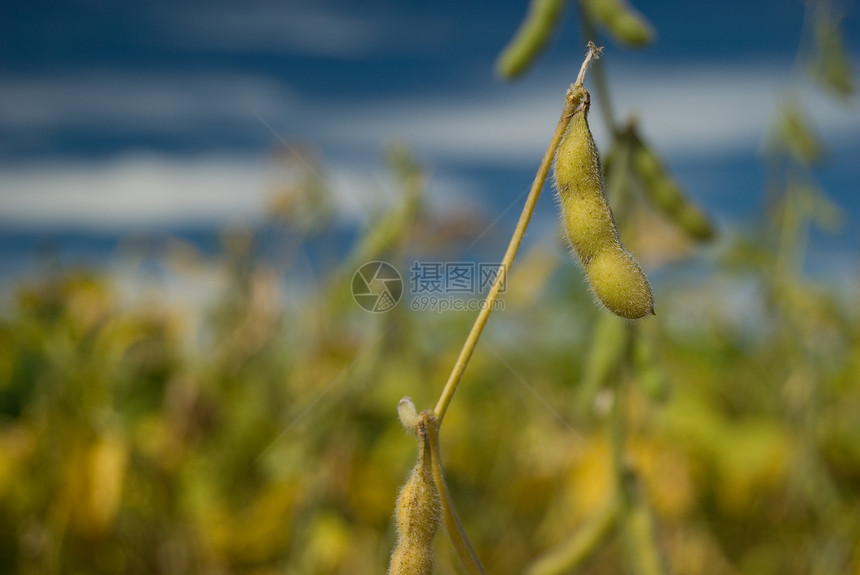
point(123, 117)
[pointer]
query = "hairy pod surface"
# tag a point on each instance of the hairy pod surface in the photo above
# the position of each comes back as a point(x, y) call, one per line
point(614, 276)
point(587, 218)
point(620, 284)
point(408, 415)
point(418, 513)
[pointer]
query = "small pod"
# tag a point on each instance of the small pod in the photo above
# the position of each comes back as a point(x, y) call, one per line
point(614, 276)
point(666, 195)
point(621, 21)
point(408, 415)
point(418, 514)
point(531, 38)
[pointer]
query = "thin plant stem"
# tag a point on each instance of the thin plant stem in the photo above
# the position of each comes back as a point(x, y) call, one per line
point(594, 53)
point(571, 105)
point(638, 524)
point(455, 530)
point(618, 422)
point(645, 553)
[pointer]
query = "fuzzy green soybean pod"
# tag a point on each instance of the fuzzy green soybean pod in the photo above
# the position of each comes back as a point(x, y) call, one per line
point(615, 277)
point(620, 284)
point(666, 195)
point(418, 514)
point(531, 38)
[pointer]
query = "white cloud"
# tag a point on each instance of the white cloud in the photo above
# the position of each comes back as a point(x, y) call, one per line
point(688, 111)
point(143, 191)
point(133, 191)
point(699, 109)
point(112, 101)
point(309, 30)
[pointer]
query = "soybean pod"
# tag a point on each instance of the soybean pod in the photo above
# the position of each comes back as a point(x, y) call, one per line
point(418, 511)
point(665, 194)
point(623, 22)
point(615, 277)
point(531, 38)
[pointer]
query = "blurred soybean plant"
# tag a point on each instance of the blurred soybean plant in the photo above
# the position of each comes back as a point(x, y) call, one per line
point(619, 356)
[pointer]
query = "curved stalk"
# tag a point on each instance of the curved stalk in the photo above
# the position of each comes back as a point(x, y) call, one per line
point(572, 102)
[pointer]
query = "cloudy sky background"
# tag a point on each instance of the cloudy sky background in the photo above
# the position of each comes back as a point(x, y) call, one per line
point(129, 118)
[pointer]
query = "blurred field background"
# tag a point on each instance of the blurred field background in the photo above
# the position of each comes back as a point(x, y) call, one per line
point(226, 407)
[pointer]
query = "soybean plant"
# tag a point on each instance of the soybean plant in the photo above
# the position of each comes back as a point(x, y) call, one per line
point(421, 499)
